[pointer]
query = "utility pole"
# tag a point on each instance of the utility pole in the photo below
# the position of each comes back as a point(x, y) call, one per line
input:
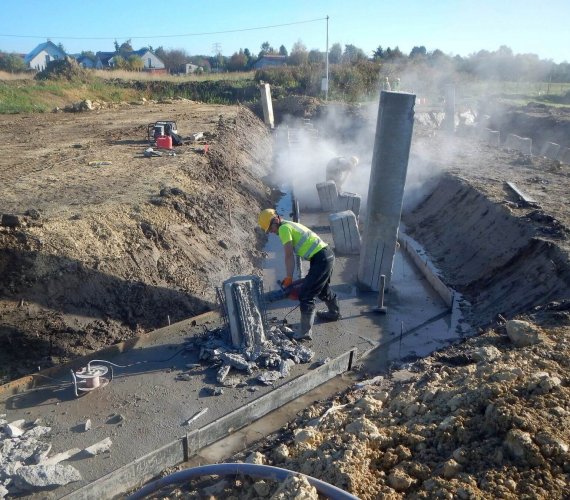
point(327, 63)
point(217, 50)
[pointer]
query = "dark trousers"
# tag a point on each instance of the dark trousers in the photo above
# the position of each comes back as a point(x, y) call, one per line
point(317, 281)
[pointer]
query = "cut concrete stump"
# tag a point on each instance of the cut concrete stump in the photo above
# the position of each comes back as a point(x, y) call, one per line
point(345, 232)
point(328, 195)
point(348, 201)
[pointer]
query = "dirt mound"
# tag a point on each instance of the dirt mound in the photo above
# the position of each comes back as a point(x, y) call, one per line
point(112, 251)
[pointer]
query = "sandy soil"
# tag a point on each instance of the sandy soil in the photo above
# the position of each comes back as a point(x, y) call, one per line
point(108, 251)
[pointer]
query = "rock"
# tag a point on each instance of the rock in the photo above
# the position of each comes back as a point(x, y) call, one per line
point(60, 457)
point(87, 425)
point(100, 447)
point(451, 468)
point(10, 220)
point(223, 244)
point(297, 487)
point(280, 453)
point(307, 435)
point(522, 333)
point(262, 488)
point(486, 354)
point(37, 432)
point(520, 446)
point(399, 480)
point(32, 477)
point(255, 458)
point(362, 426)
point(13, 430)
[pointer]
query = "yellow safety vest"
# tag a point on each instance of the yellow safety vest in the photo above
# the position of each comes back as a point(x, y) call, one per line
point(305, 242)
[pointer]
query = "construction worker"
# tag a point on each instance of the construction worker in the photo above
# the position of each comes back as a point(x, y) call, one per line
point(396, 85)
point(339, 168)
point(386, 85)
point(300, 240)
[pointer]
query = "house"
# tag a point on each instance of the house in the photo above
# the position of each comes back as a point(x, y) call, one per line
point(151, 62)
point(89, 62)
point(270, 61)
point(189, 68)
point(44, 53)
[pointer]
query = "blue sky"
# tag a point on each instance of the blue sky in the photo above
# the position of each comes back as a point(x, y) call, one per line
point(453, 26)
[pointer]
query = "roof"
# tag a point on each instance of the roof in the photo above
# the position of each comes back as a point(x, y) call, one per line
point(40, 47)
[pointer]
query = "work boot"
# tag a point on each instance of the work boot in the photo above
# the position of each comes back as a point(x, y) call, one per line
point(333, 313)
point(305, 331)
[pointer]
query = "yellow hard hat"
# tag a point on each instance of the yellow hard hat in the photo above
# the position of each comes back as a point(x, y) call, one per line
point(354, 160)
point(265, 218)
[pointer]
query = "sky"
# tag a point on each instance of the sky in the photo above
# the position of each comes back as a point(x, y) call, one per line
point(457, 27)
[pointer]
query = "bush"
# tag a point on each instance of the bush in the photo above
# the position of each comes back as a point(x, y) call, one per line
point(64, 69)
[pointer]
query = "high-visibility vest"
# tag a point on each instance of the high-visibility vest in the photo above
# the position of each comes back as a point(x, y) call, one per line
point(306, 243)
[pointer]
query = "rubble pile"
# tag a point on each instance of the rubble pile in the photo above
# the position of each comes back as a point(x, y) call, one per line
point(25, 462)
point(485, 419)
point(264, 363)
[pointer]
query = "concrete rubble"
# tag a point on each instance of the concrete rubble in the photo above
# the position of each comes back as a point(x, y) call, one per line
point(25, 462)
point(263, 363)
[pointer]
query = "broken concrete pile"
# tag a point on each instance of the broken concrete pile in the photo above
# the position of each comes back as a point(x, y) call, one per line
point(25, 464)
point(486, 419)
point(263, 363)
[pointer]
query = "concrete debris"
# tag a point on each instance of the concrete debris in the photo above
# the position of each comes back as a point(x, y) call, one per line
point(255, 458)
point(100, 447)
point(38, 477)
point(36, 432)
point(13, 430)
point(196, 416)
point(272, 359)
point(87, 425)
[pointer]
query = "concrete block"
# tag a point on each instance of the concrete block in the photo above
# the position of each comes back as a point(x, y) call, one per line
point(328, 195)
point(345, 232)
point(564, 156)
point(550, 150)
point(33, 477)
point(99, 447)
point(517, 143)
point(348, 201)
point(267, 105)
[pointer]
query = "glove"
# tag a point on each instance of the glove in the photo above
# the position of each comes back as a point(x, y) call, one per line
point(287, 282)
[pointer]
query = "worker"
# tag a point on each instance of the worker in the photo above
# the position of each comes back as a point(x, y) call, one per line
point(339, 168)
point(300, 240)
point(396, 85)
point(386, 84)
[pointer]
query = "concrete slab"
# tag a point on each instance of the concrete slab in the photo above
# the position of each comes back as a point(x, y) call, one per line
point(153, 405)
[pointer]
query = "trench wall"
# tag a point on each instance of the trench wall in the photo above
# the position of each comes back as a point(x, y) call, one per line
point(497, 261)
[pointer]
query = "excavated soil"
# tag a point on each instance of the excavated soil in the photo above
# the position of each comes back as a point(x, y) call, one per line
point(98, 253)
point(108, 251)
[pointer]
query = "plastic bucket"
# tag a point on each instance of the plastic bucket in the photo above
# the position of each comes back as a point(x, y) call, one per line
point(164, 142)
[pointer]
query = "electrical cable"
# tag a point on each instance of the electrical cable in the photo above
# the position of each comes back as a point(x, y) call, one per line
point(166, 36)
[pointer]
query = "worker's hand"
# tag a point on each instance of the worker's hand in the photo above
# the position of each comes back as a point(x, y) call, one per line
point(287, 282)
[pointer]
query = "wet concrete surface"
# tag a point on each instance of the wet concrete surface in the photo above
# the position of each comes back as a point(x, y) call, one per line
point(145, 407)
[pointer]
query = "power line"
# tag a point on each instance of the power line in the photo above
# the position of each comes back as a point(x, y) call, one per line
point(165, 36)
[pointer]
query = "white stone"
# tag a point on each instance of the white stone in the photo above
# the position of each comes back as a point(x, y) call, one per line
point(522, 333)
point(100, 447)
point(44, 476)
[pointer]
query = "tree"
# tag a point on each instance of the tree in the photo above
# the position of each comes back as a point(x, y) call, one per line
point(378, 53)
point(418, 52)
point(299, 54)
point(12, 63)
point(125, 47)
point(266, 48)
point(135, 63)
point(119, 62)
point(283, 51)
point(352, 54)
point(316, 56)
point(238, 61)
point(393, 54)
point(335, 53)
point(61, 47)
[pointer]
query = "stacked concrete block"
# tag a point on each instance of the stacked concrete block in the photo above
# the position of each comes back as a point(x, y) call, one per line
point(550, 150)
point(491, 137)
point(328, 195)
point(244, 306)
point(345, 232)
point(564, 156)
point(348, 201)
point(521, 144)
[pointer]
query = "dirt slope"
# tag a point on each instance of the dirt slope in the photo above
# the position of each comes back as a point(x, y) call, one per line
point(109, 251)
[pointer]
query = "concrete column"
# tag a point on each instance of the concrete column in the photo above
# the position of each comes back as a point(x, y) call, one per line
point(386, 188)
point(267, 105)
point(449, 108)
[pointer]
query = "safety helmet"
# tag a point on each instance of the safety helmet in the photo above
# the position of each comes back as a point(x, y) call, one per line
point(265, 218)
point(354, 160)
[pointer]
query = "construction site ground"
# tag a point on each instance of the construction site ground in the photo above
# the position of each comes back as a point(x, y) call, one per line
point(107, 251)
